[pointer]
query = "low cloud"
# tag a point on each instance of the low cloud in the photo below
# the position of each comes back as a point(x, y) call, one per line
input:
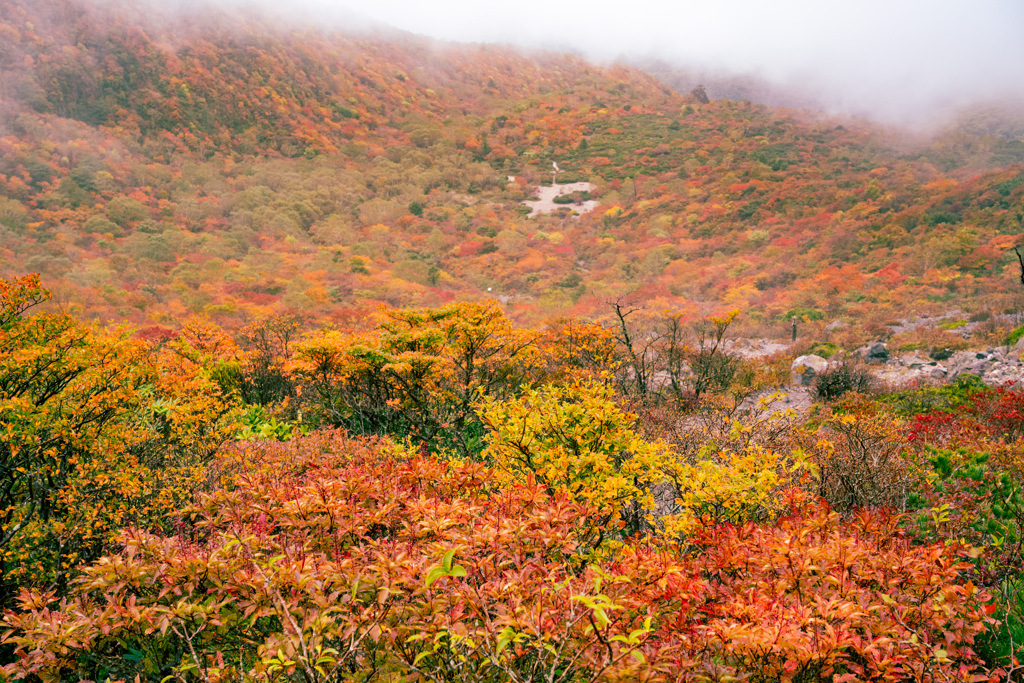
point(893, 60)
point(896, 61)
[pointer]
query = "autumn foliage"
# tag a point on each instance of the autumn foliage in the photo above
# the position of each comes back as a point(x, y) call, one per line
point(101, 432)
point(309, 396)
point(328, 557)
point(532, 531)
point(155, 166)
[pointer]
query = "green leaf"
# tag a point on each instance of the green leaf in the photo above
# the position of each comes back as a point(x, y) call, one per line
point(435, 573)
point(445, 569)
point(506, 636)
point(134, 655)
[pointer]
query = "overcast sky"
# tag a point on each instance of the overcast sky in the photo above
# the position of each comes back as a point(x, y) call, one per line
point(894, 58)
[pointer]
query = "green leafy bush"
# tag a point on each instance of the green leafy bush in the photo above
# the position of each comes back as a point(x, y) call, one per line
point(572, 197)
point(1015, 336)
point(1004, 640)
point(948, 397)
point(257, 424)
point(823, 349)
point(803, 313)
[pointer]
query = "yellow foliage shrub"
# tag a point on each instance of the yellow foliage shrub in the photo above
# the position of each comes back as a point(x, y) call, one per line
point(575, 440)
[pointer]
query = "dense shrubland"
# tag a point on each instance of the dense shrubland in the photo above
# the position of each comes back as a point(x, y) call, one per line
point(271, 476)
point(448, 497)
point(332, 559)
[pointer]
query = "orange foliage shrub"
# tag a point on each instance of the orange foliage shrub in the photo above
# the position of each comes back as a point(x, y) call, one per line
point(418, 375)
point(325, 557)
point(820, 598)
point(100, 431)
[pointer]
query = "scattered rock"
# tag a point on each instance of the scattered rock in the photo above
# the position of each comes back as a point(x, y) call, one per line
point(994, 366)
point(909, 324)
point(835, 325)
point(915, 361)
point(875, 352)
point(700, 94)
point(753, 348)
point(545, 201)
point(806, 368)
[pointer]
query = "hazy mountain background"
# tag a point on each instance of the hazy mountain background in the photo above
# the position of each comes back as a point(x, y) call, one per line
point(202, 159)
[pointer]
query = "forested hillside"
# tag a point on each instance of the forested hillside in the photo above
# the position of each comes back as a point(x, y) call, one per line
point(229, 169)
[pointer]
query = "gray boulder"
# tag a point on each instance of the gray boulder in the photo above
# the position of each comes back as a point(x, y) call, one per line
point(806, 368)
point(876, 352)
point(970, 363)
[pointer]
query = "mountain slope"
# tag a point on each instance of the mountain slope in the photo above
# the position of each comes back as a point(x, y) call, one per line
point(229, 168)
point(250, 87)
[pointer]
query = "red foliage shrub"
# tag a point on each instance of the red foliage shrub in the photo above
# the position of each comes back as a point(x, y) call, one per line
point(989, 416)
point(326, 556)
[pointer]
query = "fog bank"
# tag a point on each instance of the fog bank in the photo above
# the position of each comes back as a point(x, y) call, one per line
point(895, 61)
